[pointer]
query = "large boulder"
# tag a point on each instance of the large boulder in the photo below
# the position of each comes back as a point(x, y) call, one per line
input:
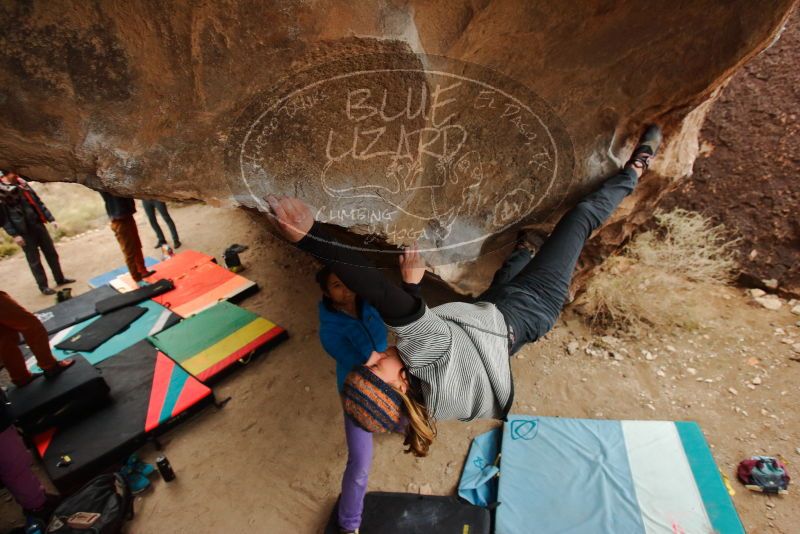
point(450, 123)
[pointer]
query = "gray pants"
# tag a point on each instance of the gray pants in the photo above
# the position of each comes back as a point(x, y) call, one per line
point(531, 292)
point(37, 238)
point(150, 207)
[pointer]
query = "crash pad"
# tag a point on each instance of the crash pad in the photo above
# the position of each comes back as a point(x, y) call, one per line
point(155, 319)
point(150, 393)
point(72, 394)
point(101, 330)
point(412, 513)
point(586, 475)
point(73, 311)
point(107, 277)
point(212, 341)
point(171, 268)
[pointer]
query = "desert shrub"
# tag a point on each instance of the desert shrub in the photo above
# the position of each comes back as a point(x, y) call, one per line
point(7, 246)
point(652, 282)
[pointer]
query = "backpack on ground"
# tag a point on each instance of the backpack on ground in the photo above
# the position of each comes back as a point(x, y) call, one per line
point(766, 473)
point(101, 507)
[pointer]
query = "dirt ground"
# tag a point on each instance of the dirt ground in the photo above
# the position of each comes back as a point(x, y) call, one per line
point(271, 460)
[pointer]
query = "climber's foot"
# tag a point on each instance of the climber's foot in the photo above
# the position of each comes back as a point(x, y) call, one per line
point(646, 150)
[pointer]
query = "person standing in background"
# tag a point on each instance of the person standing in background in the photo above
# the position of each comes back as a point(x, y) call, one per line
point(150, 207)
point(120, 210)
point(350, 330)
point(24, 217)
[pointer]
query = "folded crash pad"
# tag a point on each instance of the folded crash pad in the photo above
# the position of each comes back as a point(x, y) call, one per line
point(582, 475)
point(121, 300)
point(212, 341)
point(101, 330)
point(155, 319)
point(410, 513)
point(171, 268)
point(106, 278)
point(150, 393)
point(58, 401)
point(74, 310)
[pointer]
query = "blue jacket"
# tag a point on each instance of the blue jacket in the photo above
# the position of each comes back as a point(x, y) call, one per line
point(348, 340)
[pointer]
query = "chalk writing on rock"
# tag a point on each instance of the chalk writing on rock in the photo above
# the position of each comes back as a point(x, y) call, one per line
point(427, 149)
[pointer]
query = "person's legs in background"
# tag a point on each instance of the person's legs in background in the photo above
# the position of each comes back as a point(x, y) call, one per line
point(16, 473)
point(49, 250)
point(128, 238)
point(162, 209)
point(356, 475)
point(15, 320)
point(150, 210)
point(31, 250)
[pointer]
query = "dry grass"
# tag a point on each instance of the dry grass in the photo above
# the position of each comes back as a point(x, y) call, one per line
point(75, 207)
point(652, 283)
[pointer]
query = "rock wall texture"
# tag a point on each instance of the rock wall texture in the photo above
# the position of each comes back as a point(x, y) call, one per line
point(747, 174)
point(450, 123)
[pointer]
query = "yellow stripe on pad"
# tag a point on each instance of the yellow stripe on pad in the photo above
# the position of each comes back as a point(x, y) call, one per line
point(226, 346)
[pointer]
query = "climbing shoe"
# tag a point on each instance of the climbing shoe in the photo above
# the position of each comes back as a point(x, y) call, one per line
point(646, 149)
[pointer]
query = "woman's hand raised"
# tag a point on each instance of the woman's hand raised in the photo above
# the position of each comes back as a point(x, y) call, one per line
point(291, 217)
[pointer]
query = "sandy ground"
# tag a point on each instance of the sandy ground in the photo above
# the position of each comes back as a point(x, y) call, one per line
point(271, 459)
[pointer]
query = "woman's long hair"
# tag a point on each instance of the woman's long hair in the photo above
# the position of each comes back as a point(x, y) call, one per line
point(421, 429)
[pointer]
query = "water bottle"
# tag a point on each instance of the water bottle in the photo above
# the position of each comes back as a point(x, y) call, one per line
point(165, 468)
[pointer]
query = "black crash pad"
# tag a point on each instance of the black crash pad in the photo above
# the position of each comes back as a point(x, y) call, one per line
point(130, 298)
point(58, 401)
point(74, 310)
point(151, 393)
point(101, 330)
point(410, 513)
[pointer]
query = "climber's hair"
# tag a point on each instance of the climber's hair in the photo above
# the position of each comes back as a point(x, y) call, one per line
point(421, 429)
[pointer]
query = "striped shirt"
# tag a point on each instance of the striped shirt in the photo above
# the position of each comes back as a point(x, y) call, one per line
point(459, 352)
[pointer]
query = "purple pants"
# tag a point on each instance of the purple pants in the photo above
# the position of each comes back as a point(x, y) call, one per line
point(15, 471)
point(356, 475)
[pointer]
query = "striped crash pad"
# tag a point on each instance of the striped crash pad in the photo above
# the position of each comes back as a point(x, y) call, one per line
point(215, 339)
point(171, 268)
point(106, 278)
point(155, 319)
point(199, 283)
point(583, 475)
point(202, 287)
point(150, 393)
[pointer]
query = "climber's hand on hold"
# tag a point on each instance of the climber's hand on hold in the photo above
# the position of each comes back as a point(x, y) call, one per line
point(412, 266)
point(290, 216)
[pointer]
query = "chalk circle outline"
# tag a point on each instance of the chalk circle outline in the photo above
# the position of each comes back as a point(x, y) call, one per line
point(553, 123)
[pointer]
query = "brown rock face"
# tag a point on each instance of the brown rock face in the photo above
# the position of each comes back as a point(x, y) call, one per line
point(448, 123)
point(746, 177)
